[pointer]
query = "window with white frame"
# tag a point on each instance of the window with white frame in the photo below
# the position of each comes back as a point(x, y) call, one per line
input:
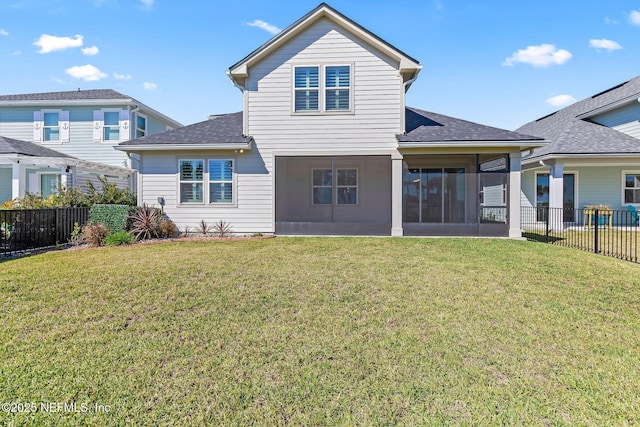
point(220, 181)
point(141, 125)
point(347, 187)
point(51, 126)
point(191, 175)
point(631, 187)
point(322, 186)
point(322, 88)
point(111, 126)
point(49, 184)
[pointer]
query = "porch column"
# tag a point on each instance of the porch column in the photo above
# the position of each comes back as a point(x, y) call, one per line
point(556, 196)
point(396, 196)
point(64, 177)
point(515, 180)
point(18, 179)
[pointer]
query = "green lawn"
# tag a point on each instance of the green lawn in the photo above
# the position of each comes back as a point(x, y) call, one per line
point(325, 331)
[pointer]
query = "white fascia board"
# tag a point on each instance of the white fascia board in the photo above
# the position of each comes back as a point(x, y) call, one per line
point(630, 157)
point(523, 145)
point(66, 102)
point(183, 147)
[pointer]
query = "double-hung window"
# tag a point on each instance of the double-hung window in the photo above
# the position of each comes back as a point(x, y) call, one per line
point(51, 127)
point(631, 187)
point(141, 125)
point(111, 127)
point(325, 88)
point(191, 181)
point(345, 187)
point(221, 181)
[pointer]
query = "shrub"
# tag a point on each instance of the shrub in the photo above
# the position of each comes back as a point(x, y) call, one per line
point(166, 228)
point(76, 235)
point(94, 234)
point(119, 238)
point(114, 217)
point(222, 229)
point(110, 194)
point(203, 227)
point(145, 222)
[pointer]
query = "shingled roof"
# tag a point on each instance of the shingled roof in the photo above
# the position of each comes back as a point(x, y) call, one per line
point(425, 126)
point(67, 95)
point(221, 129)
point(16, 146)
point(570, 132)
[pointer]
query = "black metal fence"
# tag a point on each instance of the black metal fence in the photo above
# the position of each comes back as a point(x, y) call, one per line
point(609, 232)
point(23, 230)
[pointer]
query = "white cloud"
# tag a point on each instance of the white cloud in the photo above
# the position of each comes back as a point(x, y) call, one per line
point(272, 29)
point(561, 100)
point(608, 20)
point(49, 43)
point(147, 3)
point(3, 32)
point(121, 76)
point(150, 86)
point(634, 17)
point(604, 44)
point(90, 51)
point(88, 73)
point(16, 53)
point(539, 56)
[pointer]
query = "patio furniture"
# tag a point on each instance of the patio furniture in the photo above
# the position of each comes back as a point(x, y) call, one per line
point(605, 217)
point(635, 217)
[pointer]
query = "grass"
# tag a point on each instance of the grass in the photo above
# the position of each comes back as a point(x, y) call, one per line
point(333, 331)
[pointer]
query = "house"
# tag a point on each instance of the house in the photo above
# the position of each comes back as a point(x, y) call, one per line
point(67, 138)
point(593, 155)
point(326, 145)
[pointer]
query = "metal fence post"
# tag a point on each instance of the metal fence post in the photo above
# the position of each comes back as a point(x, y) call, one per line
point(546, 223)
point(595, 228)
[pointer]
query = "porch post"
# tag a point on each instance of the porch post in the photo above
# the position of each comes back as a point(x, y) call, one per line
point(515, 180)
point(396, 196)
point(18, 179)
point(556, 196)
point(64, 177)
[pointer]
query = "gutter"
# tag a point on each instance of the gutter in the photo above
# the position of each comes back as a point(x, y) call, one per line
point(185, 147)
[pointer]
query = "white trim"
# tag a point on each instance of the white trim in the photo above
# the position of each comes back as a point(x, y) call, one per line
point(186, 147)
point(234, 184)
point(612, 106)
point(623, 174)
point(137, 129)
point(43, 127)
point(40, 174)
point(104, 126)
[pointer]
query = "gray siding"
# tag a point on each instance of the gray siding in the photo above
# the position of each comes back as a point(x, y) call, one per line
point(625, 119)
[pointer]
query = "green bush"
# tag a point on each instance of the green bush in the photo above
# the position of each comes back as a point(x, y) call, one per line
point(119, 238)
point(110, 194)
point(114, 217)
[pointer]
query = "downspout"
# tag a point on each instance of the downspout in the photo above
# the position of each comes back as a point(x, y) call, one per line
point(245, 128)
point(403, 125)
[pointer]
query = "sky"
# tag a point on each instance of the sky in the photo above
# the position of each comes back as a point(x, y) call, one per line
point(498, 62)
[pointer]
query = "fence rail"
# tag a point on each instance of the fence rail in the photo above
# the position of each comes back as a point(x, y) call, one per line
point(614, 233)
point(28, 229)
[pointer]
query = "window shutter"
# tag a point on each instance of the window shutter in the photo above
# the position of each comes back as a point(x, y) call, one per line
point(63, 122)
point(125, 126)
point(37, 126)
point(97, 126)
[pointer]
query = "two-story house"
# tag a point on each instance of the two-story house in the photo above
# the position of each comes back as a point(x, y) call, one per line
point(66, 138)
point(593, 155)
point(326, 145)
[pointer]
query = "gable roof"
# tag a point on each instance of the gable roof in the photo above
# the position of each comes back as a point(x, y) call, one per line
point(408, 65)
point(95, 97)
point(570, 132)
point(219, 132)
point(427, 127)
point(16, 146)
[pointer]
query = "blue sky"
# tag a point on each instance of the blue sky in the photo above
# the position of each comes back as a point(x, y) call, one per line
point(497, 62)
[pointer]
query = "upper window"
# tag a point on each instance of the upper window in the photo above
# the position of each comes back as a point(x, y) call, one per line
point(220, 181)
point(51, 127)
point(322, 88)
point(111, 128)
point(141, 125)
point(631, 187)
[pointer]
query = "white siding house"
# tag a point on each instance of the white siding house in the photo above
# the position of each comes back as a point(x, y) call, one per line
point(326, 145)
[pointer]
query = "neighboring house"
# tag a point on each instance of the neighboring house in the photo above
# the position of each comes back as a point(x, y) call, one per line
point(325, 145)
point(593, 156)
point(82, 127)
